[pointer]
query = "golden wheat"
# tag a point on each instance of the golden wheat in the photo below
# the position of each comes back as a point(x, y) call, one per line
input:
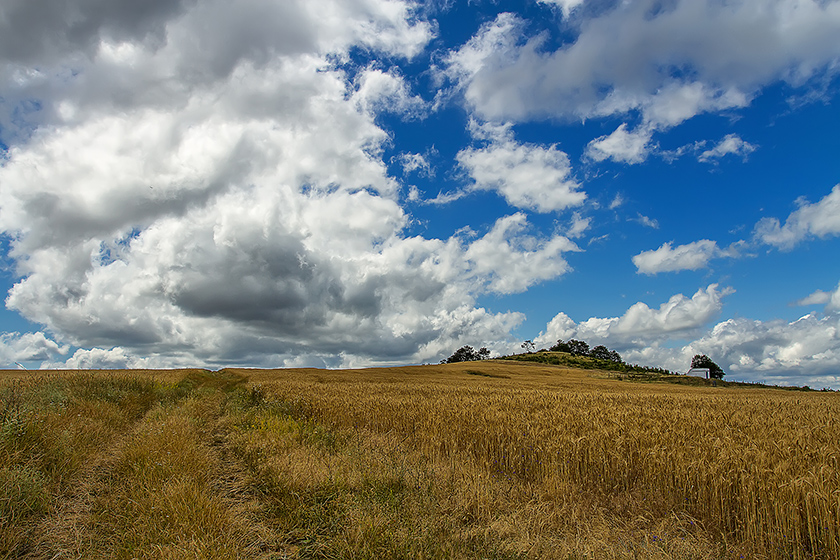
point(478, 460)
point(758, 468)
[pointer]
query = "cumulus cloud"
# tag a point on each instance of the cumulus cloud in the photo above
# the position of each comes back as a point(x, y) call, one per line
point(89, 55)
point(731, 144)
point(204, 185)
point(511, 261)
point(526, 175)
point(28, 347)
point(33, 31)
point(834, 302)
point(378, 91)
point(495, 43)
point(804, 351)
point(818, 219)
point(668, 62)
point(691, 256)
point(787, 352)
point(256, 276)
point(801, 352)
point(641, 325)
point(621, 146)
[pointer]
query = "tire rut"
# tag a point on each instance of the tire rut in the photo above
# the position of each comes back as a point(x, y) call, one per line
point(68, 532)
point(63, 531)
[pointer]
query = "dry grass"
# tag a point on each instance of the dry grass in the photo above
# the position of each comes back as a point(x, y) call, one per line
point(476, 460)
point(50, 428)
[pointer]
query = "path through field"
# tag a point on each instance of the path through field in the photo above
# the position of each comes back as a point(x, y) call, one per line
point(164, 486)
point(65, 532)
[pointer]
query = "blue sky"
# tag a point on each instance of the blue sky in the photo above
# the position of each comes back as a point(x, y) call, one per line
point(335, 184)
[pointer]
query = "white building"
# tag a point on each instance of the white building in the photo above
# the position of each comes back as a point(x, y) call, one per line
point(699, 372)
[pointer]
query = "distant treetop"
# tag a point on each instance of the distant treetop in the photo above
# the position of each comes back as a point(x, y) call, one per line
point(467, 354)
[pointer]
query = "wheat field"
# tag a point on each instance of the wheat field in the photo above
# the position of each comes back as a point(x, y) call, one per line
point(484, 459)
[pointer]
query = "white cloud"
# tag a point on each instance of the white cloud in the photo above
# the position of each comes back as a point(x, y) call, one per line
point(676, 102)
point(92, 56)
point(494, 41)
point(647, 221)
point(511, 261)
point(526, 175)
point(805, 351)
point(621, 146)
point(818, 219)
point(27, 347)
point(445, 198)
point(209, 189)
point(668, 62)
point(378, 92)
point(566, 6)
point(262, 274)
point(794, 352)
point(415, 163)
point(817, 298)
point(641, 325)
point(579, 225)
point(731, 144)
point(834, 302)
point(690, 256)
point(831, 300)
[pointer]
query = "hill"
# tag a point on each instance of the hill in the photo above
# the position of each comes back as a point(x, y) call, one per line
point(632, 372)
point(490, 459)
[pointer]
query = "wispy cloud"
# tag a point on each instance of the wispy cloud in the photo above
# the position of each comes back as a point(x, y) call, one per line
point(566, 6)
point(647, 222)
point(830, 299)
point(818, 219)
point(732, 144)
point(691, 256)
point(415, 163)
point(816, 298)
point(579, 225)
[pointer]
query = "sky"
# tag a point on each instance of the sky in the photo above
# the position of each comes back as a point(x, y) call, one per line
point(346, 183)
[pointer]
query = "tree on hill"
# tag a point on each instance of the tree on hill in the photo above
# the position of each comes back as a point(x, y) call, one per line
point(467, 354)
point(561, 346)
point(703, 361)
point(578, 347)
point(528, 346)
point(601, 352)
